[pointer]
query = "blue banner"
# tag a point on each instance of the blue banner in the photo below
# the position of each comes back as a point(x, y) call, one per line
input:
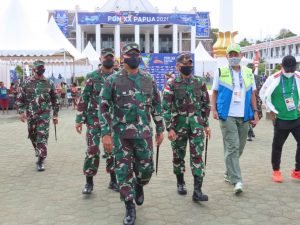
point(157, 64)
point(138, 18)
point(202, 24)
point(62, 20)
point(13, 76)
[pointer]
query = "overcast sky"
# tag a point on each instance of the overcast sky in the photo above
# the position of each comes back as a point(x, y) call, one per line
point(254, 19)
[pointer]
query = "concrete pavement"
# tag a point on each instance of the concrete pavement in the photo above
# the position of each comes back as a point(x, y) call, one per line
point(54, 196)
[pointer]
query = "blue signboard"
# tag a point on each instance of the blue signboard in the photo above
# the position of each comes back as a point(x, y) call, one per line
point(137, 18)
point(62, 20)
point(202, 24)
point(157, 64)
point(13, 76)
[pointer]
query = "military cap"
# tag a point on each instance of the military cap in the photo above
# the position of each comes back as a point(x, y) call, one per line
point(107, 51)
point(130, 46)
point(38, 63)
point(184, 58)
point(233, 48)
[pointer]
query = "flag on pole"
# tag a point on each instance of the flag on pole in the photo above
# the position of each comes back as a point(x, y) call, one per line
point(256, 62)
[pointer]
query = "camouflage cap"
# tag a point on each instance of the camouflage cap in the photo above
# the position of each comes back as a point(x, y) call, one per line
point(233, 48)
point(184, 58)
point(107, 51)
point(38, 63)
point(130, 46)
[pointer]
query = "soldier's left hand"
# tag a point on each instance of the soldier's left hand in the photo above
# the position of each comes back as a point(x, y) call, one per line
point(256, 119)
point(159, 138)
point(207, 132)
point(55, 120)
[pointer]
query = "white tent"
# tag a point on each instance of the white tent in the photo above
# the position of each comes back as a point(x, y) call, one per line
point(90, 53)
point(204, 63)
point(18, 37)
point(4, 73)
point(55, 33)
point(23, 38)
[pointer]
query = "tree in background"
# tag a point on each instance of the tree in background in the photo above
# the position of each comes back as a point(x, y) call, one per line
point(19, 71)
point(276, 69)
point(285, 33)
point(245, 42)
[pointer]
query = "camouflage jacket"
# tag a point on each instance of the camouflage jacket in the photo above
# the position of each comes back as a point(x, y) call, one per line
point(187, 98)
point(36, 96)
point(89, 101)
point(132, 99)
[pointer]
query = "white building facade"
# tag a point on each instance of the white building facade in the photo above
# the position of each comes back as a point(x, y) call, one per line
point(121, 21)
point(272, 52)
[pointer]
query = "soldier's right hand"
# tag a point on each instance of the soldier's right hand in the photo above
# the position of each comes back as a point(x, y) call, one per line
point(78, 127)
point(23, 117)
point(215, 114)
point(172, 135)
point(107, 143)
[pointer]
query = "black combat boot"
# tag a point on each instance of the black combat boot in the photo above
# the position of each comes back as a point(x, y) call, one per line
point(139, 194)
point(130, 215)
point(198, 195)
point(181, 188)
point(40, 165)
point(113, 184)
point(88, 188)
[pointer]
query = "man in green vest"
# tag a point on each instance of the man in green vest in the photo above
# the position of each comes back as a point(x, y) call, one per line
point(280, 93)
point(234, 105)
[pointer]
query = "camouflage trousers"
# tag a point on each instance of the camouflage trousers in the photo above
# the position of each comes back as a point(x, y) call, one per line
point(133, 164)
point(92, 158)
point(195, 137)
point(38, 133)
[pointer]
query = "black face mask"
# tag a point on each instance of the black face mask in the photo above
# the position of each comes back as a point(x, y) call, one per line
point(40, 71)
point(116, 69)
point(108, 63)
point(133, 62)
point(186, 70)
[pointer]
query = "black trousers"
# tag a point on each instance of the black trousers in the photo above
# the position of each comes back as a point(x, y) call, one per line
point(282, 129)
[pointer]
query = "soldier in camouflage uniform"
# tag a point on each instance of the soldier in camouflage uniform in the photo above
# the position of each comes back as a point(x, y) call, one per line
point(87, 112)
point(127, 101)
point(258, 83)
point(36, 97)
point(186, 112)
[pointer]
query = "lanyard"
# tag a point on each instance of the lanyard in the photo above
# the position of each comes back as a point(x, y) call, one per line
point(283, 88)
point(240, 79)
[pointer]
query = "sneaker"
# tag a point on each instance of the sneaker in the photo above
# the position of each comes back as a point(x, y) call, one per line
point(277, 177)
point(226, 178)
point(238, 187)
point(295, 174)
point(249, 139)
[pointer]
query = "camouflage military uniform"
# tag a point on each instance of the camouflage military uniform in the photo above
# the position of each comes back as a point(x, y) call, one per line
point(87, 112)
point(36, 96)
point(132, 99)
point(186, 111)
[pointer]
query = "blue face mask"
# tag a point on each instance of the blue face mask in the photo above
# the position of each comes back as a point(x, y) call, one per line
point(234, 61)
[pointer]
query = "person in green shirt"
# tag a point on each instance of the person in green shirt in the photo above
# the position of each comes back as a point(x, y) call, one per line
point(280, 93)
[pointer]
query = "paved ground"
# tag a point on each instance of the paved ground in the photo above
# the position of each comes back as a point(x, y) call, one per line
point(54, 196)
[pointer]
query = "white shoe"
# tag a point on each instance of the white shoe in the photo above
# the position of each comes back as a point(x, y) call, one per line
point(238, 187)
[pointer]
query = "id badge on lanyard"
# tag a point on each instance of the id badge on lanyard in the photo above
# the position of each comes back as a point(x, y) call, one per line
point(237, 96)
point(237, 92)
point(289, 102)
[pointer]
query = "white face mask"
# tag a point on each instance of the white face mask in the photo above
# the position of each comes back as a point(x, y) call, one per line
point(288, 75)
